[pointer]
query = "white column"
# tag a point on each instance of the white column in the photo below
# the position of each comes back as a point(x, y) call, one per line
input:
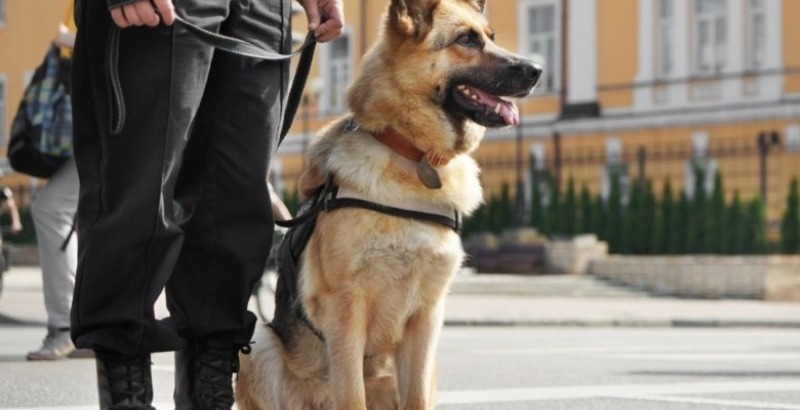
point(737, 30)
point(682, 53)
point(643, 96)
point(772, 88)
point(582, 52)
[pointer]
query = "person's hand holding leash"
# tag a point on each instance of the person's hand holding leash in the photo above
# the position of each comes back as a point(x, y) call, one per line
point(325, 18)
point(144, 13)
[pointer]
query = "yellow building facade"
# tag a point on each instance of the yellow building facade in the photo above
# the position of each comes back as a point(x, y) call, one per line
point(651, 88)
point(659, 89)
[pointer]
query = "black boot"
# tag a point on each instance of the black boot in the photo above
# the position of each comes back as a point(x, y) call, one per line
point(204, 375)
point(124, 382)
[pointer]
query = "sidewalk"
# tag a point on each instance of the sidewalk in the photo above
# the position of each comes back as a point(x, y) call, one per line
point(509, 300)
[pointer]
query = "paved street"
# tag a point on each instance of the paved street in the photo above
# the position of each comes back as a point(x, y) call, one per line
point(655, 360)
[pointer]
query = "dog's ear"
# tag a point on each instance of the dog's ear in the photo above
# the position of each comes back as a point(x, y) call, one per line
point(412, 17)
point(480, 4)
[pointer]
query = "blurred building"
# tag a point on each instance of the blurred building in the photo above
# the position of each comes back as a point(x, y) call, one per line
point(659, 89)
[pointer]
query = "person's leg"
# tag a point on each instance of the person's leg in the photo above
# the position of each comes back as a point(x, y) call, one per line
point(226, 210)
point(53, 210)
point(128, 238)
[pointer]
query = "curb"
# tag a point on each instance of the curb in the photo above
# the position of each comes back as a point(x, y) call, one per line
point(644, 323)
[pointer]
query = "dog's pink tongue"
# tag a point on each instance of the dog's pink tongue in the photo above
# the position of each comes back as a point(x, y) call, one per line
point(505, 109)
point(509, 112)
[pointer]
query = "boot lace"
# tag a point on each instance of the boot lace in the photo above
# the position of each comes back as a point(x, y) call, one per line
point(214, 373)
point(128, 384)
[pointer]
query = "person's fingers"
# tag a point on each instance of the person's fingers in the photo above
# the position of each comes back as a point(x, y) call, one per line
point(333, 24)
point(119, 17)
point(131, 14)
point(146, 13)
point(329, 30)
point(167, 10)
point(312, 13)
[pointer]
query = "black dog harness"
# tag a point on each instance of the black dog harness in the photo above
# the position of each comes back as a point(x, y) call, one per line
point(289, 311)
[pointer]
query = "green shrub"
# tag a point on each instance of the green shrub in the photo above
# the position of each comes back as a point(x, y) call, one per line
point(790, 223)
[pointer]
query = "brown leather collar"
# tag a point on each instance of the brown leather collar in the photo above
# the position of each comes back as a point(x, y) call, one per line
point(399, 144)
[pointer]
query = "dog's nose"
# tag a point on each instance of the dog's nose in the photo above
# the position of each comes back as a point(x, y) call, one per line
point(528, 70)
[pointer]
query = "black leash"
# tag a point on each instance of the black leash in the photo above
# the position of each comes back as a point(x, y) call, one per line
point(223, 43)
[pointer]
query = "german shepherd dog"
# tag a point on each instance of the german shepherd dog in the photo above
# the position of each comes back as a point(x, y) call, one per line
point(371, 285)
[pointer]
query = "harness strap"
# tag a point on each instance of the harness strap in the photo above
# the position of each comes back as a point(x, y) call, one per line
point(454, 222)
point(329, 200)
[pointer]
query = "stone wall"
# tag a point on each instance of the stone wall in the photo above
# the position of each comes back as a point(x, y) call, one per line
point(574, 255)
point(771, 277)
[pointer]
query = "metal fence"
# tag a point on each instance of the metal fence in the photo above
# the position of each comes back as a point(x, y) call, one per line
point(750, 165)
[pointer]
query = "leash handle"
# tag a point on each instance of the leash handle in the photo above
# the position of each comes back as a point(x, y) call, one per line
point(238, 46)
point(223, 43)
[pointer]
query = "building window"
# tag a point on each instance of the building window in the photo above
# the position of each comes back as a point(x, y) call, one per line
point(540, 38)
point(2, 13)
point(666, 27)
point(338, 71)
point(756, 38)
point(3, 107)
point(710, 36)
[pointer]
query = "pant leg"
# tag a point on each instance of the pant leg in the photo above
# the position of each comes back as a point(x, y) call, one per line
point(228, 221)
point(53, 210)
point(129, 240)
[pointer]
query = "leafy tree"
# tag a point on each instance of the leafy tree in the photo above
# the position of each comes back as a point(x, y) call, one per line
point(647, 219)
point(715, 218)
point(552, 219)
point(679, 227)
point(632, 219)
point(735, 240)
point(615, 216)
point(662, 231)
point(697, 216)
point(537, 215)
point(599, 218)
point(790, 223)
point(568, 214)
point(505, 216)
point(756, 227)
point(585, 219)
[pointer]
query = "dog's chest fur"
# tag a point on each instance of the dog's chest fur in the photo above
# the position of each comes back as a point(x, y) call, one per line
point(397, 267)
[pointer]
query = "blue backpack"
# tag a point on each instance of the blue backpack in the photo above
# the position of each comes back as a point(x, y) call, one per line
point(41, 133)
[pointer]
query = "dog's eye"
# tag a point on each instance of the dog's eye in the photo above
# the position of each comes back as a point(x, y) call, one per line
point(468, 40)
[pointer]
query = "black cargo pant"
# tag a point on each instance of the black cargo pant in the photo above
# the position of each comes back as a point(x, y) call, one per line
point(178, 198)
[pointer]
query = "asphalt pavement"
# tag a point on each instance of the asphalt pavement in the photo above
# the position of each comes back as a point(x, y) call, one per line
point(511, 342)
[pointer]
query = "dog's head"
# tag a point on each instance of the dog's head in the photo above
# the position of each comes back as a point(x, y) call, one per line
point(437, 72)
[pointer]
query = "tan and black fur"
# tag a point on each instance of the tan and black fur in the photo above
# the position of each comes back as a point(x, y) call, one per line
point(374, 284)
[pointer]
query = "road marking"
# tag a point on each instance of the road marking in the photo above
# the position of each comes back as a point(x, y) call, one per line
point(595, 391)
point(712, 357)
point(608, 349)
point(716, 402)
point(648, 392)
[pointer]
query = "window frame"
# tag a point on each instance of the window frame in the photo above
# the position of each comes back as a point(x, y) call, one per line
point(712, 18)
point(329, 87)
point(552, 69)
point(664, 53)
point(752, 62)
